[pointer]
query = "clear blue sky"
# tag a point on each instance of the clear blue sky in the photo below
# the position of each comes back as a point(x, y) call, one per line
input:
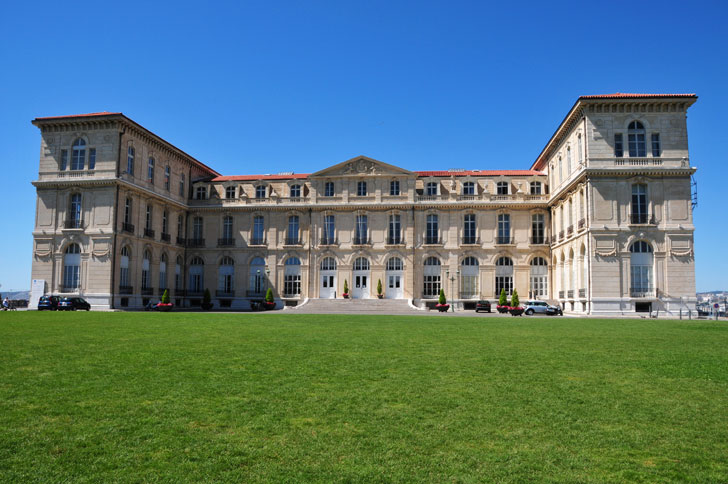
point(251, 87)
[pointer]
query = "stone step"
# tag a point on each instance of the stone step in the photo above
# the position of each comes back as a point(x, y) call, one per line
point(346, 306)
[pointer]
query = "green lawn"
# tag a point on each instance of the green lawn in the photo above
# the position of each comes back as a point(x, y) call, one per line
point(138, 397)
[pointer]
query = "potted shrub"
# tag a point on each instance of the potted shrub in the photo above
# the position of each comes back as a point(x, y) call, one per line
point(206, 300)
point(346, 290)
point(270, 302)
point(164, 304)
point(503, 305)
point(515, 309)
point(379, 289)
point(442, 304)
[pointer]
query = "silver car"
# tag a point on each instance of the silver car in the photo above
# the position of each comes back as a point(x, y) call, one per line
point(541, 307)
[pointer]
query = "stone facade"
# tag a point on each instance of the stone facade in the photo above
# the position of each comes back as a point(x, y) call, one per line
point(148, 217)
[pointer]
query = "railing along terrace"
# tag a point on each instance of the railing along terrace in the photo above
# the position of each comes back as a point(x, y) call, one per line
point(126, 289)
point(195, 243)
point(125, 227)
point(148, 233)
point(501, 240)
point(225, 242)
point(74, 223)
point(292, 241)
point(644, 291)
point(165, 237)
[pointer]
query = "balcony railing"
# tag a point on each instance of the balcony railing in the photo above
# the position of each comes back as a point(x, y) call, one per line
point(582, 293)
point(147, 291)
point(361, 241)
point(148, 233)
point(195, 243)
point(69, 289)
point(642, 291)
point(165, 237)
point(470, 240)
point(641, 219)
point(225, 242)
point(432, 240)
point(125, 227)
point(181, 241)
point(74, 223)
point(257, 241)
point(225, 293)
point(292, 241)
point(500, 240)
point(539, 240)
point(126, 289)
point(569, 230)
point(570, 294)
point(254, 293)
point(561, 294)
point(193, 292)
point(582, 223)
point(561, 235)
point(328, 241)
point(398, 240)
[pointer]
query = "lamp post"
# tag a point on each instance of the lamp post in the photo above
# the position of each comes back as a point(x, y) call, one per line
point(452, 286)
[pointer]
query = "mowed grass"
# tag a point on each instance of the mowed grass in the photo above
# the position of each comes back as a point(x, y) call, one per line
point(139, 397)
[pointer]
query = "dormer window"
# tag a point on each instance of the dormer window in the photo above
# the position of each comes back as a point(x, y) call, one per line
point(469, 188)
point(502, 188)
point(295, 191)
point(431, 188)
point(361, 189)
point(394, 187)
point(535, 188)
point(260, 191)
point(229, 193)
point(201, 193)
point(329, 189)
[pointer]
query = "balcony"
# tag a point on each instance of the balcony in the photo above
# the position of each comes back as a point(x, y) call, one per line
point(165, 237)
point(147, 291)
point(570, 294)
point(361, 241)
point(195, 243)
point(500, 240)
point(125, 227)
point(126, 289)
point(561, 235)
point(569, 230)
point(328, 241)
point(561, 294)
point(226, 242)
point(641, 219)
point(433, 240)
point(292, 241)
point(148, 233)
point(429, 198)
point(582, 293)
point(198, 292)
point(582, 223)
point(69, 289)
point(254, 293)
point(539, 240)
point(257, 241)
point(181, 241)
point(397, 240)
point(74, 223)
point(225, 293)
point(470, 240)
point(642, 292)
point(468, 197)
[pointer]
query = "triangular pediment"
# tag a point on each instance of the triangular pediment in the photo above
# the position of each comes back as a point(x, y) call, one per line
point(362, 165)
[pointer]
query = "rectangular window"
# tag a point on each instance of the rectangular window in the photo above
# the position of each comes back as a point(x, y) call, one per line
point(201, 193)
point(180, 227)
point(75, 215)
point(639, 204)
point(394, 187)
point(292, 284)
point(503, 282)
point(227, 228)
point(502, 188)
point(148, 222)
point(164, 222)
point(618, 145)
point(329, 235)
point(92, 159)
point(637, 145)
point(432, 233)
point(295, 191)
point(535, 188)
point(182, 185)
point(432, 286)
point(431, 189)
point(167, 176)
point(504, 228)
point(150, 171)
point(229, 193)
point(78, 156)
point(258, 230)
point(361, 189)
point(130, 161)
point(469, 188)
point(64, 160)
point(329, 189)
point(580, 155)
point(395, 232)
point(127, 211)
point(469, 230)
point(197, 228)
point(360, 233)
point(293, 224)
point(537, 228)
point(260, 191)
point(656, 150)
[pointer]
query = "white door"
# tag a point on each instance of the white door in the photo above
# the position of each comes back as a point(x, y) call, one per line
point(328, 285)
point(361, 285)
point(394, 289)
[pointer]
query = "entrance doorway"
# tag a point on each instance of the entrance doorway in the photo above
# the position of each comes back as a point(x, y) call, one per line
point(394, 277)
point(361, 278)
point(327, 278)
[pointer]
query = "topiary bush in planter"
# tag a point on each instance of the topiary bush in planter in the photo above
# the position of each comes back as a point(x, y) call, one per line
point(503, 305)
point(346, 290)
point(379, 289)
point(270, 302)
point(206, 300)
point(164, 304)
point(442, 304)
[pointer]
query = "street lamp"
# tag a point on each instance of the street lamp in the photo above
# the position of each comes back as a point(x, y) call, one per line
point(452, 286)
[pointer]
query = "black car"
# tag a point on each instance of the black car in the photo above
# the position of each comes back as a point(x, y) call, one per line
point(49, 303)
point(73, 304)
point(482, 306)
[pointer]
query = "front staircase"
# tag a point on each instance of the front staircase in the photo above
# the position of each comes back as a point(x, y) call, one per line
point(356, 306)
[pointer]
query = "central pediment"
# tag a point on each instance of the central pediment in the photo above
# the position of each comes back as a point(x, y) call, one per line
point(362, 165)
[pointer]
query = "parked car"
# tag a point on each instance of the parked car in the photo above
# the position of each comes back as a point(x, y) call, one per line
point(49, 303)
point(541, 307)
point(482, 306)
point(73, 304)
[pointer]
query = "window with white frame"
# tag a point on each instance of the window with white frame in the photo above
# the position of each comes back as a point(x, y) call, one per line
point(361, 189)
point(432, 283)
point(167, 177)
point(146, 275)
point(78, 154)
point(329, 235)
point(395, 264)
point(469, 270)
point(197, 228)
point(182, 185)
point(196, 272)
point(394, 187)
point(538, 229)
point(568, 160)
point(72, 267)
point(292, 277)
point(148, 219)
point(639, 204)
point(361, 264)
point(226, 275)
point(328, 264)
point(74, 216)
point(539, 278)
point(469, 229)
point(227, 229)
point(503, 275)
point(580, 154)
point(293, 229)
point(258, 236)
point(641, 262)
point(636, 138)
point(504, 228)
point(257, 276)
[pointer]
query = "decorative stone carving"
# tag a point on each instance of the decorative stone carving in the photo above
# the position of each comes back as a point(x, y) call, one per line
point(361, 167)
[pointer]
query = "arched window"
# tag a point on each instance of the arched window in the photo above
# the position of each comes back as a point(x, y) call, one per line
point(197, 267)
point(641, 262)
point(124, 279)
point(163, 272)
point(74, 213)
point(432, 282)
point(292, 277)
point(395, 264)
point(328, 264)
point(503, 275)
point(469, 269)
point(178, 273)
point(71, 267)
point(146, 275)
point(636, 139)
point(78, 154)
point(361, 264)
point(226, 276)
point(539, 278)
point(257, 276)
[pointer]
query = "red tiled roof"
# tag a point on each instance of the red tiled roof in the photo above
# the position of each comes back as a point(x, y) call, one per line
point(620, 95)
point(481, 173)
point(102, 113)
point(259, 177)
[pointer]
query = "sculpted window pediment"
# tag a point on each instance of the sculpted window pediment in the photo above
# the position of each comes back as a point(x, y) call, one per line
point(362, 165)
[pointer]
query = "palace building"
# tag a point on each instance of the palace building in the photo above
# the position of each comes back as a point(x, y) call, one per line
point(601, 222)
